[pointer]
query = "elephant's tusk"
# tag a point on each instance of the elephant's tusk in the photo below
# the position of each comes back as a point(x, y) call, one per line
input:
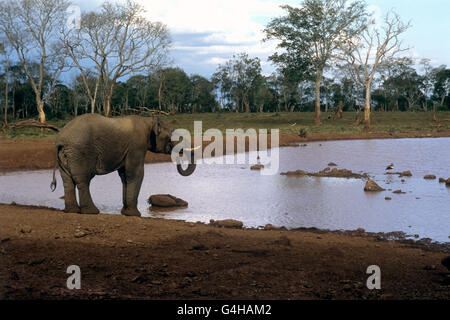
point(291, 125)
point(192, 149)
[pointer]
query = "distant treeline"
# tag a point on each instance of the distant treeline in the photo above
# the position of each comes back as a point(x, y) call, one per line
point(172, 90)
point(120, 62)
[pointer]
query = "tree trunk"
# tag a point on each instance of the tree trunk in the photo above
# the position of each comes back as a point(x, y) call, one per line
point(94, 99)
point(318, 78)
point(6, 91)
point(247, 107)
point(358, 102)
point(14, 104)
point(40, 109)
point(367, 108)
point(92, 106)
point(107, 106)
point(159, 94)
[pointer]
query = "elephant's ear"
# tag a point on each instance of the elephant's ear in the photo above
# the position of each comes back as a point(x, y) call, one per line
point(156, 125)
point(154, 132)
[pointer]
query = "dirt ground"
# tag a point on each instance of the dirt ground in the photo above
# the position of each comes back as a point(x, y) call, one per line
point(147, 258)
point(123, 257)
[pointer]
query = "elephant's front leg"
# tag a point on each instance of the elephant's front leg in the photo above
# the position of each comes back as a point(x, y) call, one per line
point(133, 181)
point(123, 178)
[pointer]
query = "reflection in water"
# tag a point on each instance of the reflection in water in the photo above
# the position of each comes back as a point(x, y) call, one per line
point(228, 191)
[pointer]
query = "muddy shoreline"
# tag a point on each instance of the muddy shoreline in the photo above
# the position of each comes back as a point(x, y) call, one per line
point(140, 258)
point(400, 237)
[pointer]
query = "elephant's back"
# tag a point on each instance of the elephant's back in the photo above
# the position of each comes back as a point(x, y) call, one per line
point(82, 128)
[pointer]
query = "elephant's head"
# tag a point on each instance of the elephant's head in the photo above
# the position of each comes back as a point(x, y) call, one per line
point(160, 137)
point(161, 142)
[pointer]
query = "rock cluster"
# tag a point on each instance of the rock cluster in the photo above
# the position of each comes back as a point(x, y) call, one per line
point(327, 172)
point(402, 174)
point(166, 200)
point(372, 186)
point(227, 223)
point(294, 173)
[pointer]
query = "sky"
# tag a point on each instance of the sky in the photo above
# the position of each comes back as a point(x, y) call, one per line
point(206, 33)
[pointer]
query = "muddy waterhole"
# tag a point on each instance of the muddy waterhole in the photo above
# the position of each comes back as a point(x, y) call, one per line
point(219, 191)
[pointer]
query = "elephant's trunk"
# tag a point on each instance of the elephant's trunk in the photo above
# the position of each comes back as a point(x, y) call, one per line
point(191, 166)
point(188, 171)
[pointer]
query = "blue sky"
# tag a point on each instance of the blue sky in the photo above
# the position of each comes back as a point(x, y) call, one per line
point(208, 32)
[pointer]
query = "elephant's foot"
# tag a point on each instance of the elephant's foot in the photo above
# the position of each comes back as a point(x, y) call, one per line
point(131, 212)
point(72, 209)
point(89, 210)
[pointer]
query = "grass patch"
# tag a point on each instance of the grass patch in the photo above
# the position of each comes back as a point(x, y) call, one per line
point(287, 122)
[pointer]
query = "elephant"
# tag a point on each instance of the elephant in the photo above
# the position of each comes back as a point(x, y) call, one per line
point(92, 144)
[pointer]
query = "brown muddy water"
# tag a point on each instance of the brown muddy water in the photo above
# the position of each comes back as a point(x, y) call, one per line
point(236, 192)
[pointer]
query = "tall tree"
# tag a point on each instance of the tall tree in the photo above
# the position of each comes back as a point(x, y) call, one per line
point(176, 90)
point(366, 51)
point(203, 97)
point(442, 83)
point(427, 81)
point(5, 51)
point(309, 35)
point(32, 28)
point(120, 41)
point(239, 76)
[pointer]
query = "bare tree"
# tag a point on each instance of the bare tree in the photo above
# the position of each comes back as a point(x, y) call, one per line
point(77, 50)
point(119, 41)
point(309, 35)
point(31, 27)
point(5, 51)
point(371, 49)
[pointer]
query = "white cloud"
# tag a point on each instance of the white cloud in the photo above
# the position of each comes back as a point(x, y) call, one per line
point(227, 27)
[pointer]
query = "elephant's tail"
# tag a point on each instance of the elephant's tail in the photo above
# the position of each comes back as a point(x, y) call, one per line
point(54, 183)
point(58, 165)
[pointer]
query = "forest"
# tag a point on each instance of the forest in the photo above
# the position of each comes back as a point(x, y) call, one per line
point(118, 63)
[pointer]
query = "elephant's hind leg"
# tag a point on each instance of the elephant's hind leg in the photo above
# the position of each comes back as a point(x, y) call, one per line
point(86, 204)
point(70, 201)
point(133, 179)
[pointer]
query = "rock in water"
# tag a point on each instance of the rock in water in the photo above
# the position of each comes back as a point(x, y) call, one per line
point(227, 223)
point(294, 173)
point(166, 201)
point(257, 167)
point(372, 186)
point(332, 164)
point(447, 183)
point(406, 174)
point(430, 177)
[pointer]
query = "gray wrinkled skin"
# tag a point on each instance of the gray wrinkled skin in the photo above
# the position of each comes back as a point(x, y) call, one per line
point(93, 145)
